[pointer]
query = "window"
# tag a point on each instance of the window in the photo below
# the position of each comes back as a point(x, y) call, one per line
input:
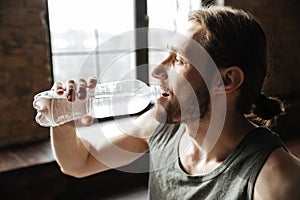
point(78, 30)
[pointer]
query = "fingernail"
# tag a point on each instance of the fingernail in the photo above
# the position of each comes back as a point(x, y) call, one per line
point(60, 91)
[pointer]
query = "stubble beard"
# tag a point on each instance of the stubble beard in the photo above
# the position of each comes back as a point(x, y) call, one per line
point(174, 113)
point(169, 114)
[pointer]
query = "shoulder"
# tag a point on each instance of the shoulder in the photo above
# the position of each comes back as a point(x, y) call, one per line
point(279, 177)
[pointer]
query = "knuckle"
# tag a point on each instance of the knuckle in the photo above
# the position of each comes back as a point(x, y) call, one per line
point(58, 87)
point(92, 82)
point(71, 81)
point(82, 81)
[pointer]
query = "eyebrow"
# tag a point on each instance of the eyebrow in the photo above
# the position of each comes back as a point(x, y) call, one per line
point(175, 50)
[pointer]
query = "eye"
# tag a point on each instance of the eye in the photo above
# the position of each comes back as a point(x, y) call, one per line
point(178, 60)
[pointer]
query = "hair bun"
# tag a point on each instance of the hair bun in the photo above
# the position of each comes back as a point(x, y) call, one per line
point(268, 108)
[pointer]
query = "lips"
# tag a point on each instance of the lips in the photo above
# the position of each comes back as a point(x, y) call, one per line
point(164, 94)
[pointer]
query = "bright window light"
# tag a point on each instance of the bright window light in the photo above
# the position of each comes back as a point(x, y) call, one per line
point(79, 27)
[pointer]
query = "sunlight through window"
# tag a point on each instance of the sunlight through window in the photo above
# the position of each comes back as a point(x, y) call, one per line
point(79, 27)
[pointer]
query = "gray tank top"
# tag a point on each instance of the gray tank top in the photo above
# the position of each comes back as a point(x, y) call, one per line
point(233, 179)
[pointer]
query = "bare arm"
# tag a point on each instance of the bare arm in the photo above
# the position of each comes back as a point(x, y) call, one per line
point(111, 146)
point(69, 151)
point(79, 158)
point(279, 178)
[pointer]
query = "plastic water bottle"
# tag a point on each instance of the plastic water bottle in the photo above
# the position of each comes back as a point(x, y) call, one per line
point(106, 100)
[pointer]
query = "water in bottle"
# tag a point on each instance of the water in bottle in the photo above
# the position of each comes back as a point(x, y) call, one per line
point(106, 100)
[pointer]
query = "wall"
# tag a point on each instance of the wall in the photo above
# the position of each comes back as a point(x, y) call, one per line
point(24, 69)
point(280, 19)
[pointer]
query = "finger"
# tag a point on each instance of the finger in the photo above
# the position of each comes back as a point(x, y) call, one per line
point(84, 121)
point(87, 120)
point(59, 88)
point(92, 82)
point(71, 90)
point(82, 85)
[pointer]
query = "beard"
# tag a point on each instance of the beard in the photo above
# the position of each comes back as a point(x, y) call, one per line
point(169, 113)
point(184, 110)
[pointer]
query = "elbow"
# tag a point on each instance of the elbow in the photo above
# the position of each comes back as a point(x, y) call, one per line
point(76, 173)
point(76, 169)
point(81, 169)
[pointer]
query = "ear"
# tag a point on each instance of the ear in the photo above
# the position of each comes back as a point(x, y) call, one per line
point(232, 79)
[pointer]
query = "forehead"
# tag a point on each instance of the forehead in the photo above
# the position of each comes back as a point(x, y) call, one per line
point(184, 38)
point(187, 45)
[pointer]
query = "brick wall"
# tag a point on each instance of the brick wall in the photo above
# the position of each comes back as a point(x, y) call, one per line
point(280, 19)
point(24, 69)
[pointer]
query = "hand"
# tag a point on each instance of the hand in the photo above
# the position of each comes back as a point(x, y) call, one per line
point(78, 90)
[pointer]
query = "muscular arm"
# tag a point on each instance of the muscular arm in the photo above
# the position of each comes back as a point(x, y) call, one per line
point(279, 178)
point(69, 151)
point(79, 157)
point(110, 147)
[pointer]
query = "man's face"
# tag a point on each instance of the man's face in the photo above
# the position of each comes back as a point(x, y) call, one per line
point(185, 95)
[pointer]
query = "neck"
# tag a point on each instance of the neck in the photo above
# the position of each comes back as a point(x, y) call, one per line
point(208, 142)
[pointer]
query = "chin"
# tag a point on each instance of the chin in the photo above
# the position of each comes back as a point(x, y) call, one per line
point(168, 116)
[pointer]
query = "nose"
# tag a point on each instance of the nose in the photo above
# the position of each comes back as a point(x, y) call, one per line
point(160, 72)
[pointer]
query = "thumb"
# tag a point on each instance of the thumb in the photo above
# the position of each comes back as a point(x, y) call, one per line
point(85, 121)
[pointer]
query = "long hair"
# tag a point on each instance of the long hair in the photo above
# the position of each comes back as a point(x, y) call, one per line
point(234, 37)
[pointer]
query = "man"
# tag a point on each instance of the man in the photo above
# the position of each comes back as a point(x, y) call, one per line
point(190, 158)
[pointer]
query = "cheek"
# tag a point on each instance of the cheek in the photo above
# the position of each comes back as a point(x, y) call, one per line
point(189, 80)
point(174, 76)
point(185, 82)
point(184, 92)
point(191, 89)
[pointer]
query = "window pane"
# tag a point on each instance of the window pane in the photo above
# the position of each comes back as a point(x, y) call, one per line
point(119, 68)
point(68, 66)
point(78, 28)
